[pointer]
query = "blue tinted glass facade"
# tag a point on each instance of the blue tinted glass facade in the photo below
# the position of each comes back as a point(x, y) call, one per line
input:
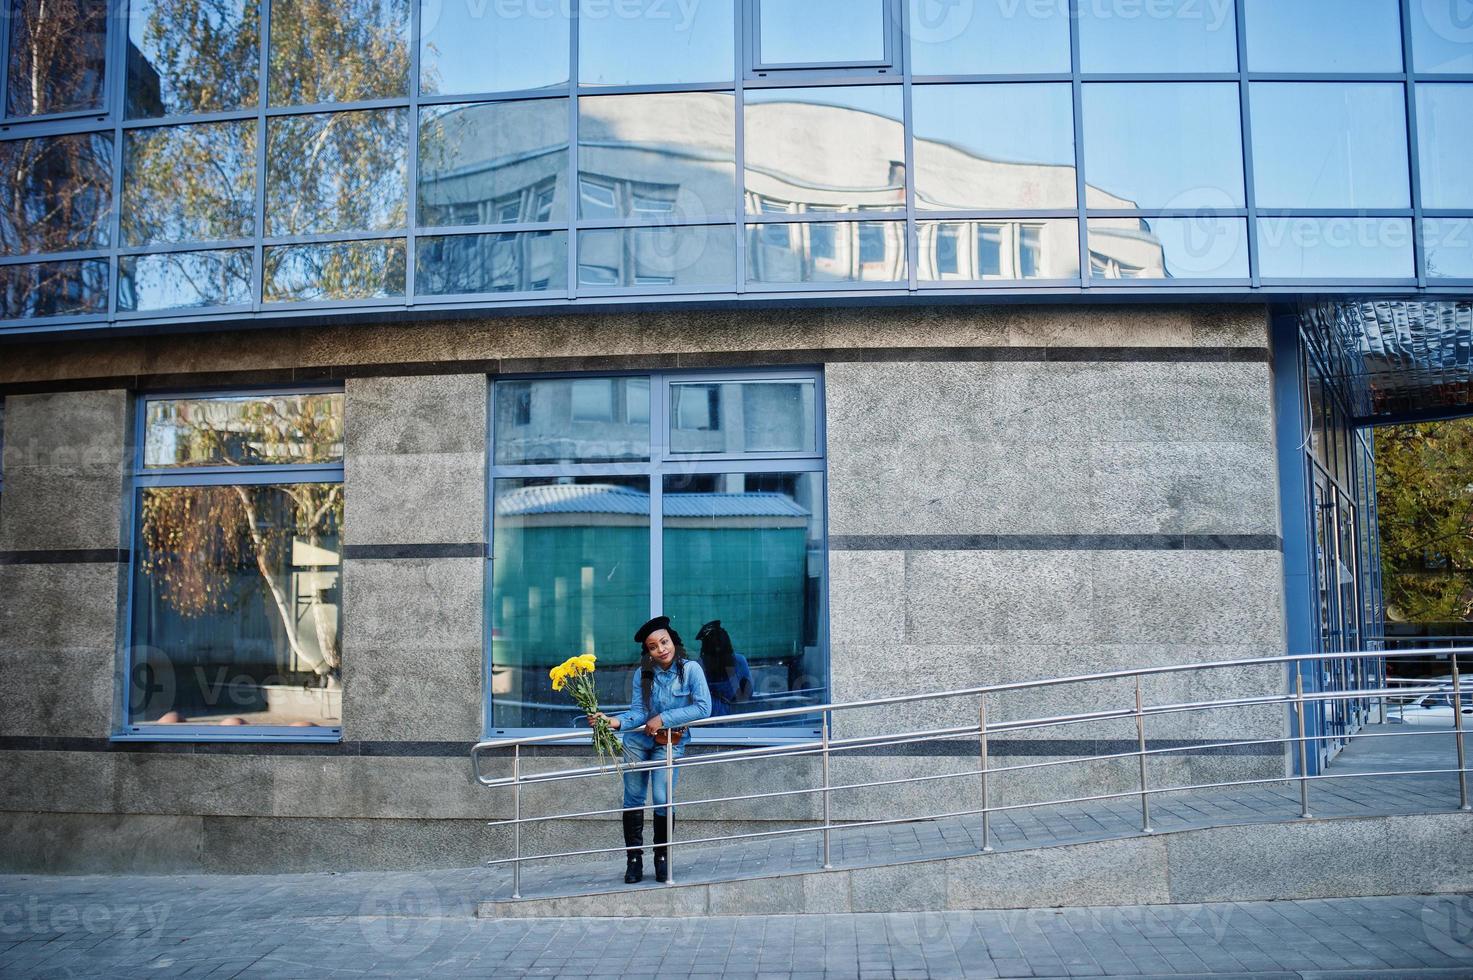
point(404, 154)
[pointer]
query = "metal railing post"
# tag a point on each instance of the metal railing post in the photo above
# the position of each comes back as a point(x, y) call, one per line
point(1140, 734)
point(827, 822)
point(1458, 734)
point(516, 828)
point(982, 752)
point(670, 811)
point(1303, 744)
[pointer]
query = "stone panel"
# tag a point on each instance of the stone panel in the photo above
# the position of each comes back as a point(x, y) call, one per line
point(57, 634)
point(415, 464)
point(66, 457)
point(412, 664)
point(1127, 872)
point(92, 843)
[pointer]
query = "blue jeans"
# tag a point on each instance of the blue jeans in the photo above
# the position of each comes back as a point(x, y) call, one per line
point(639, 747)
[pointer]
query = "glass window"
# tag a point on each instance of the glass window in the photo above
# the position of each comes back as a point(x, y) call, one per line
point(187, 57)
point(338, 50)
point(237, 586)
point(339, 171)
point(993, 146)
point(950, 38)
point(806, 32)
point(1324, 35)
point(658, 156)
point(1445, 140)
point(538, 422)
point(243, 430)
point(53, 289)
point(55, 193)
point(825, 148)
point(495, 163)
point(1180, 36)
point(1330, 145)
point(571, 575)
point(679, 257)
point(998, 249)
point(58, 56)
point(747, 550)
point(1335, 248)
point(181, 280)
point(531, 262)
point(189, 183)
point(467, 48)
point(1200, 247)
point(1163, 145)
point(335, 271)
point(1442, 36)
point(577, 541)
point(826, 252)
point(743, 417)
point(655, 42)
point(1449, 246)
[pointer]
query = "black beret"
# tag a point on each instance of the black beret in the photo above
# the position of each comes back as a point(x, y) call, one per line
point(658, 623)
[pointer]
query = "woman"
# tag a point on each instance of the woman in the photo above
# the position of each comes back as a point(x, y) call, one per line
point(727, 672)
point(668, 691)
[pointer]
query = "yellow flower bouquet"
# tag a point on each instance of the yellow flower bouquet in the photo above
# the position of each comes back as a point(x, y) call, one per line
point(575, 675)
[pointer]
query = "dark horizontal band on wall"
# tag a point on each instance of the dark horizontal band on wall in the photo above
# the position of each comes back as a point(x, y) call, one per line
point(652, 362)
point(402, 552)
point(1055, 542)
point(66, 556)
point(1074, 747)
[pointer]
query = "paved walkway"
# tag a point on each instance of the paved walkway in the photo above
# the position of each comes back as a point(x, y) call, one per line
point(407, 925)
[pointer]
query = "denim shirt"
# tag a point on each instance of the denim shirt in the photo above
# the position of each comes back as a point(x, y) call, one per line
point(678, 700)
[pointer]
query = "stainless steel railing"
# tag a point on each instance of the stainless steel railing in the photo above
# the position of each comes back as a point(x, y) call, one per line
point(1300, 704)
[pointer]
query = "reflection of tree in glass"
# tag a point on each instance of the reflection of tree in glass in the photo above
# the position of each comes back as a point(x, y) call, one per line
point(53, 288)
point(335, 271)
point(197, 539)
point(54, 193)
point(337, 171)
point(57, 50)
point(192, 56)
point(189, 183)
point(338, 50)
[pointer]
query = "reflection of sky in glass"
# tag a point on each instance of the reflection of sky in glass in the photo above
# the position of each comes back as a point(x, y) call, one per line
point(1335, 248)
point(649, 42)
point(1158, 145)
point(1181, 36)
point(808, 31)
point(1449, 245)
point(950, 38)
point(488, 47)
point(1324, 35)
point(1329, 145)
point(1203, 247)
point(1027, 128)
point(211, 67)
point(1445, 138)
point(185, 279)
point(1442, 36)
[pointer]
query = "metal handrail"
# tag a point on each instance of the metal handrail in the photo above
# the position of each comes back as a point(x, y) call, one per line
point(1298, 701)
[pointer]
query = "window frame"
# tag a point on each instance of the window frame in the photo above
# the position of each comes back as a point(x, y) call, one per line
point(143, 477)
point(116, 21)
point(662, 462)
point(891, 65)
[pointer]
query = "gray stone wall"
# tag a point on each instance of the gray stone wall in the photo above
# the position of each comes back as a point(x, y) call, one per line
point(956, 437)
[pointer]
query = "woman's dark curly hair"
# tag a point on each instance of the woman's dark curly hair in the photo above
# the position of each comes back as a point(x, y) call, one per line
point(647, 666)
point(717, 656)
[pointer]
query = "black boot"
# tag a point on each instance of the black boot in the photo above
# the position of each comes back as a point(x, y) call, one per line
point(634, 840)
point(662, 859)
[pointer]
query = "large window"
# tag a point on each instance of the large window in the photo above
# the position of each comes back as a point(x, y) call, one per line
point(699, 497)
point(235, 605)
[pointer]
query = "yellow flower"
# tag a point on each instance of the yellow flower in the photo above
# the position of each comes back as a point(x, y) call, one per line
point(559, 675)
